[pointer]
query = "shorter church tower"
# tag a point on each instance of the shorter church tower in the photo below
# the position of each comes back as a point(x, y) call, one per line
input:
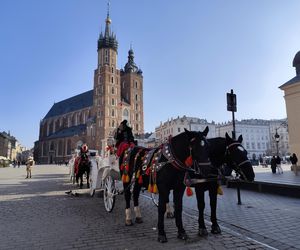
point(132, 94)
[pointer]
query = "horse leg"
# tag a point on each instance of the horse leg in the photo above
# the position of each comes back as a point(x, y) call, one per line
point(169, 211)
point(163, 199)
point(127, 194)
point(202, 231)
point(177, 196)
point(215, 229)
point(137, 211)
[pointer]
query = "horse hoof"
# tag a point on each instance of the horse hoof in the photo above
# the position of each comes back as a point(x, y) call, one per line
point(138, 220)
point(215, 229)
point(162, 238)
point(202, 232)
point(128, 223)
point(170, 215)
point(182, 235)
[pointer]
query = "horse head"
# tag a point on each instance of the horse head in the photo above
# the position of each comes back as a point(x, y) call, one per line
point(198, 146)
point(236, 157)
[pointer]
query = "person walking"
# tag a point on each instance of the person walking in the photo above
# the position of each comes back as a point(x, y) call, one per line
point(29, 164)
point(294, 161)
point(273, 165)
point(278, 164)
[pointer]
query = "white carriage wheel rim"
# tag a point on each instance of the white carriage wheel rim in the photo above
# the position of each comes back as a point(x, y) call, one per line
point(108, 195)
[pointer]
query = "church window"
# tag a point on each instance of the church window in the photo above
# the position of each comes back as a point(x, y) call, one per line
point(136, 117)
point(113, 123)
point(112, 79)
point(136, 97)
point(113, 113)
point(136, 127)
point(112, 69)
point(113, 101)
point(136, 85)
point(136, 106)
point(60, 148)
point(69, 147)
point(113, 90)
point(125, 112)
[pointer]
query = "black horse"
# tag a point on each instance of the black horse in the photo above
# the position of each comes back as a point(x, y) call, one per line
point(164, 169)
point(221, 151)
point(84, 166)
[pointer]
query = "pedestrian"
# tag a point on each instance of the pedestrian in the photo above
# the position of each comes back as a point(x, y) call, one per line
point(273, 165)
point(278, 164)
point(29, 164)
point(294, 161)
point(19, 164)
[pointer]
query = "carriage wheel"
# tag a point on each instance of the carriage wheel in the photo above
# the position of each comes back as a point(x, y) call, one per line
point(92, 190)
point(109, 193)
point(154, 198)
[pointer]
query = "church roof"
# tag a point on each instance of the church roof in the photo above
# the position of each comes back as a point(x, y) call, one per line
point(68, 132)
point(71, 104)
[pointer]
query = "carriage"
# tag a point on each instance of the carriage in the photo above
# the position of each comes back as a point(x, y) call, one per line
point(105, 176)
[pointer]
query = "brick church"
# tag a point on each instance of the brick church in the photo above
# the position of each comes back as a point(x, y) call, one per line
point(93, 116)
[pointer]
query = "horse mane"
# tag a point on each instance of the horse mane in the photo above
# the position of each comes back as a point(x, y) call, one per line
point(217, 149)
point(180, 145)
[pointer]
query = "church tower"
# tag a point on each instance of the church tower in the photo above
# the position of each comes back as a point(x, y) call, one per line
point(107, 90)
point(132, 94)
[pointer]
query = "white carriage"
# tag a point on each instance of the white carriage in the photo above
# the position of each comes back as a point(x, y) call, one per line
point(105, 176)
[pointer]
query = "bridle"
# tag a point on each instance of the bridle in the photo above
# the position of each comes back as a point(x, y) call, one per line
point(236, 166)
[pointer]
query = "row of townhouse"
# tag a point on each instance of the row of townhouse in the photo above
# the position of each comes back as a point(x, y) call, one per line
point(10, 148)
point(258, 135)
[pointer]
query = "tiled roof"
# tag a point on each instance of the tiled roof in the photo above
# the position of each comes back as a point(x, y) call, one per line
point(296, 79)
point(68, 132)
point(74, 103)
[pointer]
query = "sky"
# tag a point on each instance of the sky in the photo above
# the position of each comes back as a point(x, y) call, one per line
point(191, 52)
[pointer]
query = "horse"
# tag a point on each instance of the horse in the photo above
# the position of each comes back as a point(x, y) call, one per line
point(162, 169)
point(82, 165)
point(221, 151)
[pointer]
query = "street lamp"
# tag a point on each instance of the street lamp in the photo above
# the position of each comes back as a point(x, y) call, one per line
point(277, 138)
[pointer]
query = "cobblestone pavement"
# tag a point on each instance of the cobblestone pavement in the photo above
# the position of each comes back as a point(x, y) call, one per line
point(37, 214)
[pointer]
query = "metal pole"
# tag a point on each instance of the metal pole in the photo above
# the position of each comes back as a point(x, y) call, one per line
point(233, 126)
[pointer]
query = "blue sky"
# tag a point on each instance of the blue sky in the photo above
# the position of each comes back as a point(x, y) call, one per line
point(191, 53)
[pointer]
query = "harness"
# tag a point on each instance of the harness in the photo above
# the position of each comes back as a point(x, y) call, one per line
point(238, 166)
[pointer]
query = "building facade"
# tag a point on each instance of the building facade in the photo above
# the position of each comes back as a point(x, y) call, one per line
point(259, 136)
point(93, 116)
point(173, 127)
point(292, 101)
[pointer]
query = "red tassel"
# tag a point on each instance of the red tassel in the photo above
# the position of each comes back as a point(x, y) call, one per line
point(188, 161)
point(127, 167)
point(189, 191)
point(140, 180)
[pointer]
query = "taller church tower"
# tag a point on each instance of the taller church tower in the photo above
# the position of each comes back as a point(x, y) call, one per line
point(117, 95)
point(106, 86)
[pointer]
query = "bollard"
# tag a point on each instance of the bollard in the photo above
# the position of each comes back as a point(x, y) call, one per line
point(238, 193)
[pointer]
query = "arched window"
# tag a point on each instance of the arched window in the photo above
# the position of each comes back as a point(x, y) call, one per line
point(44, 149)
point(113, 113)
point(113, 101)
point(69, 149)
point(113, 90)
point(60, 147)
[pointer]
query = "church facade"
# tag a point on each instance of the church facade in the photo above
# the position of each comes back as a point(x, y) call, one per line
point(92, 117)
